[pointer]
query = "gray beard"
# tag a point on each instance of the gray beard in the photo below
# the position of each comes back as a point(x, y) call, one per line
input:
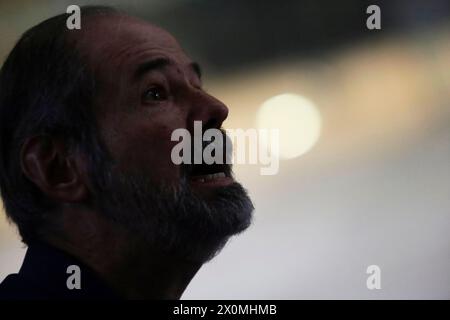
point(172, 220)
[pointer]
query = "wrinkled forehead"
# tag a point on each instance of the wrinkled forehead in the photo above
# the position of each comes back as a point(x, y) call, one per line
point(117, 43)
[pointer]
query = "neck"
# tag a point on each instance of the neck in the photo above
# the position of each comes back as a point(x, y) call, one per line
point(150, 275)
point(127, 264)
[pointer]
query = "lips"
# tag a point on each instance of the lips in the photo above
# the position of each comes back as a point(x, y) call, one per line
point(211, 181)
point(208, 177)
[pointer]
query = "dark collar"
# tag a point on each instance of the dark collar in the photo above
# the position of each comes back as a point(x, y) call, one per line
point(44, 275)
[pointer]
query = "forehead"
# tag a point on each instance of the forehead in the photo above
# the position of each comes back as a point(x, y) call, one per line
point(117, 43)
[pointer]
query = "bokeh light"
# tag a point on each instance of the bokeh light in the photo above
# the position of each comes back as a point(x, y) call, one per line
point(298, 120)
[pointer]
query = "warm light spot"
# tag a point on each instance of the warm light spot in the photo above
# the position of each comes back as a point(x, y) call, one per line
point(297, 119)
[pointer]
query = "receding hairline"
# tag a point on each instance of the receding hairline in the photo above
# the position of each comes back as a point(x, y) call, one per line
point(107, 26)
point(90, 20)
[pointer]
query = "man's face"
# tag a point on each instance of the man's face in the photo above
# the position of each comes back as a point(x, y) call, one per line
point(146, 87)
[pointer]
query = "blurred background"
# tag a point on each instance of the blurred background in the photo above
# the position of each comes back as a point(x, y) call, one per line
point(364, 173)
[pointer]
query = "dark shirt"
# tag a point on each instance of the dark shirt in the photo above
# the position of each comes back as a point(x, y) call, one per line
point(44, 275)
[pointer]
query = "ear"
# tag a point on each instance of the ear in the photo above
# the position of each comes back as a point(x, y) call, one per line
point(45, 161)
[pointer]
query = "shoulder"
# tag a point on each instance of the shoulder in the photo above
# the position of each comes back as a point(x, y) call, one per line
point(15, 287)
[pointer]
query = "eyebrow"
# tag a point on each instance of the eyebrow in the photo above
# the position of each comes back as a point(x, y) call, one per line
point(160, 63)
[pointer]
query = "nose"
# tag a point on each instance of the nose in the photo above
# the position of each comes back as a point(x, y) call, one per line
point(209, 110)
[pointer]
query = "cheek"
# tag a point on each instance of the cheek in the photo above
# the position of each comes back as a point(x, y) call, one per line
point(143, 144)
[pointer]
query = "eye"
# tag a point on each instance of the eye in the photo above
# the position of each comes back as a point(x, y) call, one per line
point(154, 94)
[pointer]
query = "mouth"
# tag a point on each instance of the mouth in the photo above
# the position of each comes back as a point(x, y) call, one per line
point(211, 180)
point(212, 175)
